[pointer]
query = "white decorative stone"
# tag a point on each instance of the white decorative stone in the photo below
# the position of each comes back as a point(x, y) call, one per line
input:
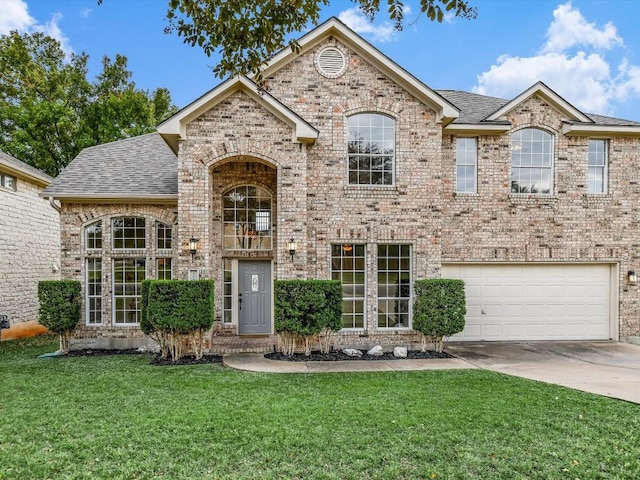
point(375, 351)
point(400, 352)
point(352, 352)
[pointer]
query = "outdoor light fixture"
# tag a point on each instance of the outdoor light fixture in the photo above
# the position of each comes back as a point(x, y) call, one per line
point(193, 246)
point(292, 246)
point(632, 277)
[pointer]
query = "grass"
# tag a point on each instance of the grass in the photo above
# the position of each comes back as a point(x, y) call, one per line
point(118, 417)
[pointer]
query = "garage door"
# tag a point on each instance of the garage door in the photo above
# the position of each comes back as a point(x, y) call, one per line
point(535, 302)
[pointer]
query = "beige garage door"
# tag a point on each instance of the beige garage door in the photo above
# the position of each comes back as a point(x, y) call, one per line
point(535, 302)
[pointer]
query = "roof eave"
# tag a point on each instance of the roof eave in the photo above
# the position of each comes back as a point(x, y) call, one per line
point(601, 130)
point(477, 129)
point(18, 173)
point(109, 198)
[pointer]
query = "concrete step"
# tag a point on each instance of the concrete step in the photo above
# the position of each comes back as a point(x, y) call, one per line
point(243, 344)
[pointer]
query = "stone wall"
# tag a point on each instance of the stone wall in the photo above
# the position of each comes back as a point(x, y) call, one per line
point(29, 249)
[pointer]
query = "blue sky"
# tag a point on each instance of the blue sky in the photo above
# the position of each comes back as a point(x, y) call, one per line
point(586, 50)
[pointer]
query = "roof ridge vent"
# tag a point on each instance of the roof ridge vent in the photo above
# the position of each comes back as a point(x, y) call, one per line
point(331, 62)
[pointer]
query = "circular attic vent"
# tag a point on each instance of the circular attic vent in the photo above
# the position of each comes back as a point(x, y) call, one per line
point(331, 62)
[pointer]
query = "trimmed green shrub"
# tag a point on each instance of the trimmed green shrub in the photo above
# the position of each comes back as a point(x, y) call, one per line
point(60, 305)
point(439, 309)
point(145, 325)
point(308, 309)
point(176, 309)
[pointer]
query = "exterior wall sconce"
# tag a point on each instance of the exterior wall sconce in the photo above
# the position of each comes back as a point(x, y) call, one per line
point(193, 246)
point(292, 246)
point(632, 277)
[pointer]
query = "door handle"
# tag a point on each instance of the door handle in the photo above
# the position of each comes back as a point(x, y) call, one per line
point(239, 301)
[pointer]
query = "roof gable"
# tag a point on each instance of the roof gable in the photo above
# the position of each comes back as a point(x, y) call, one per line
point(174, 127)
point(541, 90)
point(446, 111)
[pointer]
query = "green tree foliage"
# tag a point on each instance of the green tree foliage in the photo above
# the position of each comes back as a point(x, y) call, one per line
point(247, 33)
point(60, 302)
point(439, 309)
point(49, 110)
point(306, 309)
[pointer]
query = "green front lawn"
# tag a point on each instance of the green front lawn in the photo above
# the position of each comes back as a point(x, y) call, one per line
point(118, 417)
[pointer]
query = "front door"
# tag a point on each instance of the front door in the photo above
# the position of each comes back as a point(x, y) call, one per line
point(254, 297)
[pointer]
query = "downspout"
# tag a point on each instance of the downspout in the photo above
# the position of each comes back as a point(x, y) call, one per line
point(52, 202)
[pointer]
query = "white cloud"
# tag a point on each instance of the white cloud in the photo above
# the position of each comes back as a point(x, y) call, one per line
point(85, 12)
point(582, 79)
point(16, 17)
point(572, 62)
point(569, 28)
point(355, 20)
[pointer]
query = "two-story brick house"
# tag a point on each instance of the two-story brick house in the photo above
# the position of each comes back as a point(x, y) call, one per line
point(343, 165)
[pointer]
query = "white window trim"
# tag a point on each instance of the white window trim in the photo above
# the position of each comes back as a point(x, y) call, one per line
point(87, 296)
point(605, 167)
point(365, 302)
point(115, 324)
point(394, 156)
point(410, 299)
point(474, 165)
point(552, 166)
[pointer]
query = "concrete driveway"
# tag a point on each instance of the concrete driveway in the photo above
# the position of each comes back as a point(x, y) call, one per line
point(611, 369)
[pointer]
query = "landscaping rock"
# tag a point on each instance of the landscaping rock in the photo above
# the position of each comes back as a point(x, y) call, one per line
point(352, 352)
point(400, 352)
point(375, 351)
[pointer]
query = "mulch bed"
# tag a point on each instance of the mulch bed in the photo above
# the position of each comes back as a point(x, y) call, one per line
point(332, 356)
point(156, 360)
point(338, 355)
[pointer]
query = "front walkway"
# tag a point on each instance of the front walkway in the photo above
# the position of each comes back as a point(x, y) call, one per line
point(610, 369)
point(255, 362)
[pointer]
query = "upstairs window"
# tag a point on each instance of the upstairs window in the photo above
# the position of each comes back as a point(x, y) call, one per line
point(247, 218)
point(7, 181)
point(531, 161)
point(466, 165)
point(371, 149)
point(128, 232)
point(163, 236)
point(93, 236)
point(597, 166)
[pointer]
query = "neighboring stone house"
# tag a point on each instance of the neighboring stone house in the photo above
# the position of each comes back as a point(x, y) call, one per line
point(29, 242)
point(376, 180)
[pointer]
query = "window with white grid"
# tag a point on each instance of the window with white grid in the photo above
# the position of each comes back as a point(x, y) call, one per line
point(128, 273)
point(394, 286)
point(597, 166)
point(371, 149)
point(348, 265)
point(531, 161)
point(128, 232)
point(466, 164)
point(94, 291)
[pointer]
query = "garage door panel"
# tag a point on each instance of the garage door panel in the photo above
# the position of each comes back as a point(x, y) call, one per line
point(535, 302)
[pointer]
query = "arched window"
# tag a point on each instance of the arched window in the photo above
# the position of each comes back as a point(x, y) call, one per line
point(93, 236)
point(531, 161)
point(247, 218)
point(371, 149)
